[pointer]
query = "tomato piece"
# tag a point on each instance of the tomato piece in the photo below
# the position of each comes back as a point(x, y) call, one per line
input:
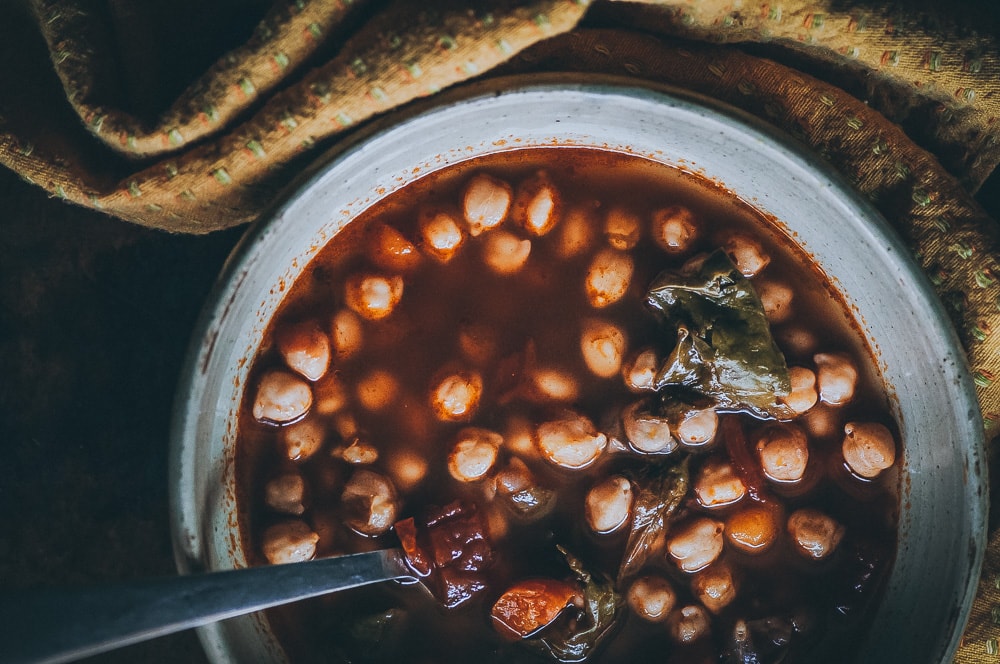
point(449, 548)
point(530, 605)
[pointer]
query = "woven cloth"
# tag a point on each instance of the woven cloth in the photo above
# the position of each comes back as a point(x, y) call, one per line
point(191, 118)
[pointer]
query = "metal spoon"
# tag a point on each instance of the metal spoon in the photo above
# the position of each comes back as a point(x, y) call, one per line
point(62, 625)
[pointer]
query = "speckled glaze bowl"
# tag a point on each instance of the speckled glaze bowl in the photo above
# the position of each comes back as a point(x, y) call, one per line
point(944, 489)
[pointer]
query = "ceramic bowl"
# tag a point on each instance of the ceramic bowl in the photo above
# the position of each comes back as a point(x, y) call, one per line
point(942, 525)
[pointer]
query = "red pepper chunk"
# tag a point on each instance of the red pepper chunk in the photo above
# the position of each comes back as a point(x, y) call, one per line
point(448, 548)
point(406, 530)
point(530, 605)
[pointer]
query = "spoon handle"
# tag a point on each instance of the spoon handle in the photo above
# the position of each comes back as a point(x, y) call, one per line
point(62, 625)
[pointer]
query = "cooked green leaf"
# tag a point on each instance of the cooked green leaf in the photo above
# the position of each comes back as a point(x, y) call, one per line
point(659, 491)
point(724, 348)
point(579, 638)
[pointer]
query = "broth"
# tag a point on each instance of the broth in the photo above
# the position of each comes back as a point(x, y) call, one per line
point(510, 308)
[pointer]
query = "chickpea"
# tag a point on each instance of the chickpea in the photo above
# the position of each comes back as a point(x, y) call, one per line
point(537, 205)
point(506, 253)
point(674, 229)
point(640, 371)
point(455, 396)
point(359, 452)
point(797, 340)
point(390, 250)
point(513, 477)
point(698, 427)
point(477, 342)
point(776, 298)
point(747, 254)
point(651, 598)
point(442, 236)
point(554, 385)
point(289, 542)
point(609, 504)
point(603, 345)
point(646, 432)
point(373, 296)
point(345, 425)
point(370, 503)
point(348, 333)
point(286, 493)
point(815, 534)
point(696, 544)
point(714, 587)
point(302, 439)
point(485, 203)
point(803, 395)
point(688, 624)
point(408, 469)
point(717, 484)
point(577, 231)
point(753, 529)
point(519, 437)
point(305, 348)
point(869, 448)
point(822, 421)
point(783, 450)
point(608, 277)
point(837, 377)
point(474, 454)
point(621, 228)
point(329, 394)
point(377, 390)
point(571, 442)
point(281, 397)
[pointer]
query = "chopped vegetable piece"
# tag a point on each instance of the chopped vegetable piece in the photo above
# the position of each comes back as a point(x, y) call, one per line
point(724, 347)
point(531, 605)
point(450, 549)
point(580, 637)
point(659, 490)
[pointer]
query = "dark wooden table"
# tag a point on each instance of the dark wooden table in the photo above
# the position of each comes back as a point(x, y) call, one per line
point(95, 317)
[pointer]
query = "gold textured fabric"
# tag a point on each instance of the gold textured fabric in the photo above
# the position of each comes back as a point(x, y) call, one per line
point(901, 98)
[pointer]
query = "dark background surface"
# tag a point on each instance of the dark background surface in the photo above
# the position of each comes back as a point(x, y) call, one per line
point(95, 318)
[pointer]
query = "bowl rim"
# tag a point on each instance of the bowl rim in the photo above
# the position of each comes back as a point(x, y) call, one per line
point(186, 413)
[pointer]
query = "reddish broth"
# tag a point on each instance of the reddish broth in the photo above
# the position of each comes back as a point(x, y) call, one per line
point(534, 317)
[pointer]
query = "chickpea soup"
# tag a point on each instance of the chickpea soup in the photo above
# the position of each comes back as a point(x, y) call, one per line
point(608, 412)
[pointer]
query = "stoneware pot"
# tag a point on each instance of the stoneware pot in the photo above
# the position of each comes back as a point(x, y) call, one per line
point(942, 526)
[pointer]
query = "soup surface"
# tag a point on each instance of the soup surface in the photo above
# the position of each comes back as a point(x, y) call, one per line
point(608, 411)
